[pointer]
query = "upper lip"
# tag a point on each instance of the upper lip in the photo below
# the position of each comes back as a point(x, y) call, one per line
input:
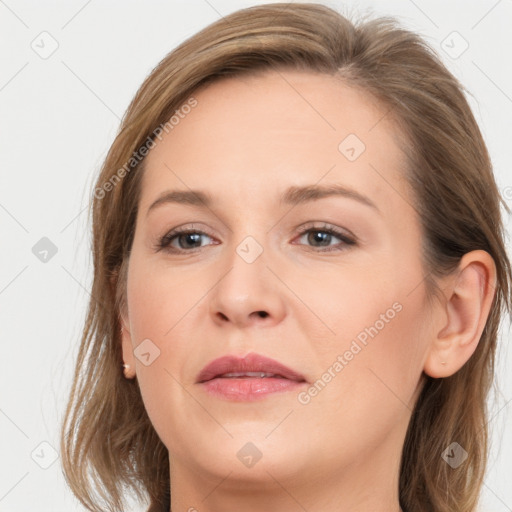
point(250, 363)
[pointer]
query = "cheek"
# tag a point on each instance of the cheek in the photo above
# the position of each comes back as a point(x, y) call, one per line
point(378, 351)
point(160, 298)
point(367, 386)
point(160, 305)
point(377, 323)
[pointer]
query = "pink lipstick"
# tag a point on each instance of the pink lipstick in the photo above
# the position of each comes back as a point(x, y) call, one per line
point(253, 377)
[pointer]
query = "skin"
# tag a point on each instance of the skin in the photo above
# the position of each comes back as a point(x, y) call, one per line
point(245, 143)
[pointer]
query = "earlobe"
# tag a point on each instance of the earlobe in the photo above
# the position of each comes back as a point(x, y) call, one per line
point(469, 297)
point(127, 350)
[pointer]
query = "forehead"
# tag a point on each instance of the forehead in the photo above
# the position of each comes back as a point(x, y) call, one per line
point(277, 128)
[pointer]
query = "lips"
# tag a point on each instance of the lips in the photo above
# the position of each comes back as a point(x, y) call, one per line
point(252, 366)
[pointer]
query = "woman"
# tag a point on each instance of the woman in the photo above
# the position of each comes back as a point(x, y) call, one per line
point(299, 273)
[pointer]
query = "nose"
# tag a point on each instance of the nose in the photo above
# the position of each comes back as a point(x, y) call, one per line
point(248, 293)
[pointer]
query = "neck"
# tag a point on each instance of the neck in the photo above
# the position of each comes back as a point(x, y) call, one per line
point(369, 484)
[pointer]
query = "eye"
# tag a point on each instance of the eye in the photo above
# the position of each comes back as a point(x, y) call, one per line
point(185, 238)
point(324, 235)
point(188, 239)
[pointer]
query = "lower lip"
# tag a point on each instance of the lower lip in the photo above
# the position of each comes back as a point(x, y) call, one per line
point(249, 389)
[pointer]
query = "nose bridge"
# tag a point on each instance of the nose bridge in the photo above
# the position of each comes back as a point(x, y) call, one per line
point(248, 290)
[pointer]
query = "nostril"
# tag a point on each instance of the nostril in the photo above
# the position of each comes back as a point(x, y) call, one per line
point(262, 314)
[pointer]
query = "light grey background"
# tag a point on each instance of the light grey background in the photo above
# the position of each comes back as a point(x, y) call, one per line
point(59, 114)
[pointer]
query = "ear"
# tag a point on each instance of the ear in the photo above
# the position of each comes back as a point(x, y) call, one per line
point(125, 331)
point(469, 299)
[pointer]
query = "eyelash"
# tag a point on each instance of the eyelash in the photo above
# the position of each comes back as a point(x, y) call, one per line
point(165, 241)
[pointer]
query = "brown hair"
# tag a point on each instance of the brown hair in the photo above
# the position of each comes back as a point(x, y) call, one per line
point(108, 443)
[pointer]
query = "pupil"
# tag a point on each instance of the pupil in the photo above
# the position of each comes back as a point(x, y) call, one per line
point(193, 237)
point(319, 236)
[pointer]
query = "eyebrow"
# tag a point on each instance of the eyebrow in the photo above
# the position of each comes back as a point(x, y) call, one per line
point(292, 196)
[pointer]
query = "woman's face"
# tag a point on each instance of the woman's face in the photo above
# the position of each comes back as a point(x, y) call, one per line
point(343, 303)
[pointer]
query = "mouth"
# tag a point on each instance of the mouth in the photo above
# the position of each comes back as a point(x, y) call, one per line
point(246, 379)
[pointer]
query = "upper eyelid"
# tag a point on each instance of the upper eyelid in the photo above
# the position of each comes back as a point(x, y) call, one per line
point(325, 226)
point(306, 227)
